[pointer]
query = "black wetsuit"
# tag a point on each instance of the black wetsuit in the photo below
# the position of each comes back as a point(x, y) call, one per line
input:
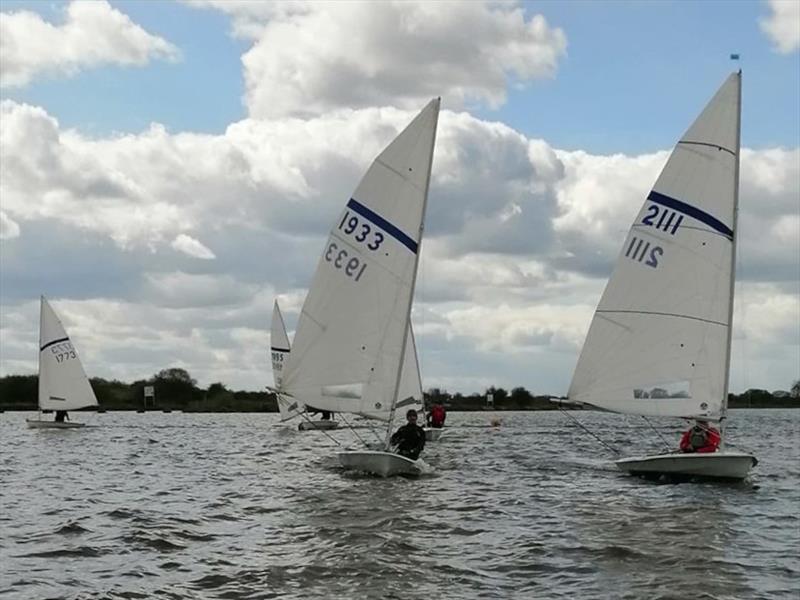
point(410, 440)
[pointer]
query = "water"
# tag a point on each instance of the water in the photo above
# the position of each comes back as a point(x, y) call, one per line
point(233, 506)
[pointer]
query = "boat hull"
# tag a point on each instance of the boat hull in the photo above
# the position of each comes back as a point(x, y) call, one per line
point(433, 435)
point(38, 424)
point(313, 425)
point(385, 464)
point(713, 465)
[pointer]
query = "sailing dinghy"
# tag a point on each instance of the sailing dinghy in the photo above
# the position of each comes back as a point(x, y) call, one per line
point(63, 385)
point(280, 349)
point(660, 341)
point(352, 336)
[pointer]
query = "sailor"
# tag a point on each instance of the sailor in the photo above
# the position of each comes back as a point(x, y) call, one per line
point(700, 438)
point(437, 415)
point(410, 438)
point(61, 416)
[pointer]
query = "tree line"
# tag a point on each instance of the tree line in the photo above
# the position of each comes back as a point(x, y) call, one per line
point(175, 389)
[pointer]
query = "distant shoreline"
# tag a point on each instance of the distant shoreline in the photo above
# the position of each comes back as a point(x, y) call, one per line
point(175, 390)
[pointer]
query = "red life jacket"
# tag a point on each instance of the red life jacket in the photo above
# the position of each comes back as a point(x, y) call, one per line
point(437, 416)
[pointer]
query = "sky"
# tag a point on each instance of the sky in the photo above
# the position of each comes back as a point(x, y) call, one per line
point(167, 169)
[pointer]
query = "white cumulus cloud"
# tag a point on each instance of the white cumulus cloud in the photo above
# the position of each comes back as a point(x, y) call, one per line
point(188, 245)
point(782, 26)
point(312, 57)
point(93, 34)
point(9, 229)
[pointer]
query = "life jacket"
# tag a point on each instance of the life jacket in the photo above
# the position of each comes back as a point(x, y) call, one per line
point(698, 437)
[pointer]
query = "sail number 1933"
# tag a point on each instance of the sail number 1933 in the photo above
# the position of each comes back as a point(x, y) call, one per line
point(338, 257)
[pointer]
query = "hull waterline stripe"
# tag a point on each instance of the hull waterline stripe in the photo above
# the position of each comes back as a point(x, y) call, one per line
point(48, 344)
point(691, 211)
point(378, 220)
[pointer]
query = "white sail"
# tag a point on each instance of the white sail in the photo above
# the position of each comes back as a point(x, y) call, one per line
point(351, 333)
point(63, 384)
point(279, 351)
point(409, 394)
point(659, 341)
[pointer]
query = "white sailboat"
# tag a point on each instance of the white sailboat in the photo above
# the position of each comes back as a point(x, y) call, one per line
point(660, 340)
point(63, 385)
point(352, 337)
point(280, 349)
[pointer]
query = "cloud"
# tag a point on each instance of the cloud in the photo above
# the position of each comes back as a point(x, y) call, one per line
point(782, 26)
point(93, 34)
point(519, 241)
point(312, 57)
point(188, 245)
point(8, 228)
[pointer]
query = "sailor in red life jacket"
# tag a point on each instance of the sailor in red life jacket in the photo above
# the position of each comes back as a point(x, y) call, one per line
point(438, 415)
point(700, 438)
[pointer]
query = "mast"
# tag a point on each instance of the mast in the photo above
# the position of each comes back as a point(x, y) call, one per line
point(735, 227)
point(413, 280)
point(39, 354)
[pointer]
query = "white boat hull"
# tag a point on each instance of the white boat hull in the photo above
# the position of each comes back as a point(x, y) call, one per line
point(716, 465)
point(433, 435)
point(313, 425)
point(38, 424)
point(384, 464)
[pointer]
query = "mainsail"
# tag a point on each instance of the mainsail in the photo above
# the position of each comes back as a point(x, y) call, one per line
point(659, 342)
point(351, 336)
point(63, 384)
point(279, 351)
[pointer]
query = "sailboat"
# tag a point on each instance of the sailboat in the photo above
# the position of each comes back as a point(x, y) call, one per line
point(280, 349)
point(352, 336)
point(660, 341)
point(63, 384)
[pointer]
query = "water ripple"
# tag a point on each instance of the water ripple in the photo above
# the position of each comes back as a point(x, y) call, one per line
point(179, 507)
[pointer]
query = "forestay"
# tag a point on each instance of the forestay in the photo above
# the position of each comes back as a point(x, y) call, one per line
point(279, 351)
point(659, 341)
point(63, 384)
point(350, 337)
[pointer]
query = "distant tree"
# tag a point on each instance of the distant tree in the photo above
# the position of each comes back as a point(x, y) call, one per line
point(176, 374)
point(659, 393)
point(499, 393)
point(175, 387)
point(216, 389)
point(795, 389)
point(520, 395)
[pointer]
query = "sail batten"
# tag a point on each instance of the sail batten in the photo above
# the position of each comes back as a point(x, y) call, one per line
point(658, 344)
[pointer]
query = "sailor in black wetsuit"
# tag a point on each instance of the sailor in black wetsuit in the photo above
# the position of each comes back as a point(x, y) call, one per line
point(410, 438)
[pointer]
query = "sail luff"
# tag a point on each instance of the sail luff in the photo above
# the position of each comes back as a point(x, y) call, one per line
point(733, 252)
point(39, 354)
point(414, 275)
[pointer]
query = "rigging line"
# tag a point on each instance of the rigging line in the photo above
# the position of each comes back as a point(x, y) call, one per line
point(353, 431)
point(581, 425)
point(307, 418)
point(658, 433)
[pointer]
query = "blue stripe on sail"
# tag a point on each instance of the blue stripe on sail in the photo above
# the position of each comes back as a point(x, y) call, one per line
point(691, 211)
point(378, 220)
point(48, 344)
point(280, 349)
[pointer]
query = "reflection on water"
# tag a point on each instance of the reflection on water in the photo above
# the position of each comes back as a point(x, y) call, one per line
point(233, 506)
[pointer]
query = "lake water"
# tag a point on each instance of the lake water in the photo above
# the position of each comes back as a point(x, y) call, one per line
point(234, 506)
